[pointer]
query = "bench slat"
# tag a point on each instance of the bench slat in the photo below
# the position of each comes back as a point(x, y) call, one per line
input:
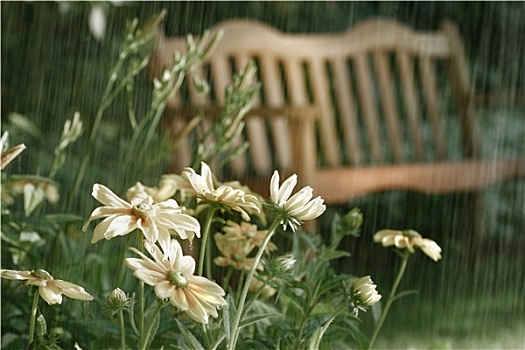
point(368, 107)
point(347, 110)
point(390, 113)
point(274, 94)
point(411, 103)
point(430, 93)
point(321, 94)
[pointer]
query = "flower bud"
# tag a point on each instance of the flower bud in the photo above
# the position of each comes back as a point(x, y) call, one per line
point(117, 294)
point(117, 301)
point(285, 263)
point(353, 219)
point(280, 267)
point(362, 292)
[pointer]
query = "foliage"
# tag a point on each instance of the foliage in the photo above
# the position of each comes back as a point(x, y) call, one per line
point(50, 234)
point(286, 296)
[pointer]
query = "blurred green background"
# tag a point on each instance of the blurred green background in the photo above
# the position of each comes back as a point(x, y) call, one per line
point(52, 66)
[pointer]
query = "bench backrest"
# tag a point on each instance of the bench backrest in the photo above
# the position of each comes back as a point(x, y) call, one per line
point(380, 90)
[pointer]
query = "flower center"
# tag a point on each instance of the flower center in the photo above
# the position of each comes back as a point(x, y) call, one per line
point(142, 210)
point(178, 279)
point(411, 234)
point(41, 274)
point(237, 257)
point(250, 234)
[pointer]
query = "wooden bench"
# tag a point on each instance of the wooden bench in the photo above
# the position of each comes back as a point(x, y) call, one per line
point(377, 107)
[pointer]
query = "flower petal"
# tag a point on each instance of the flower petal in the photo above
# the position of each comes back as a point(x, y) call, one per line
point(105, 196)
point(16, 275)
point(114, 225)
point(50, 293)
point(72, 290)
point(286, 189)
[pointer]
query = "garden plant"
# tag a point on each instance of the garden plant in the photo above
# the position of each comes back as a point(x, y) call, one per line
point(189, 262)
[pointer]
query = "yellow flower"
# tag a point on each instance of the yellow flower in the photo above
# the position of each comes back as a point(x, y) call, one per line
point(173, 279)
point(409, 239)
point(248, 232)
point(153, 219)
point(226, 196)
point(234, 252)
point(297, 208)
point(50, 289)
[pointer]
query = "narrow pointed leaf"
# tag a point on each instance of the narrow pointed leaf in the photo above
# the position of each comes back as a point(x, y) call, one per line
point(191, 341)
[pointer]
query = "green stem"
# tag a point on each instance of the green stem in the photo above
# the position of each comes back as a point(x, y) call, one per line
point(257, 259)
point(315, 344)
point(141, 295)
point(240, 285)
point(226, 280)
point(391, 297)
point(204, 241)
point(122, 333)
point(255, 296)
point(149, 330)
point(36, 296)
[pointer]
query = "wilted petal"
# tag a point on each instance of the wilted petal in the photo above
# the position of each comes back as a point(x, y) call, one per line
point(50, 290)
point(73, 291)
point(15, 275)
point(429, 247)
point(51, 294)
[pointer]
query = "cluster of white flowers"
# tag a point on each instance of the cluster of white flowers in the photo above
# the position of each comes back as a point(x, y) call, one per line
point(154, 212)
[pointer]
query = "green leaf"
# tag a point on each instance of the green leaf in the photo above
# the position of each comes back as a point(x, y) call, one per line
point(24, 123)
point(315, 340)
point(192, 342)
point(229, 314)
point(322, 309)
point(152, 317)
point(33, 178)
point(334, 282)
point(335, 227)
point(336, 254)
point(298, 301)
point(302, 286)
point(377, 310)
point(63, 218)
point(250, 320)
